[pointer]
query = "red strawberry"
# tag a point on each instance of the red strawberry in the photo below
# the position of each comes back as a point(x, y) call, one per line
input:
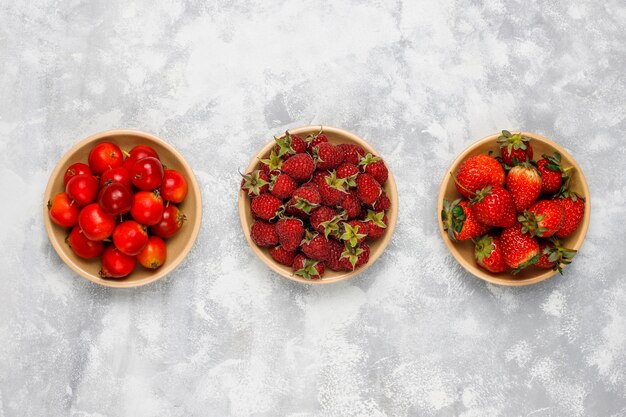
point(488, 253)
point(318, 177)
point(351, 204)
point(255, 183)
point(375, 166)
point(332, 189)
point(315, 246)
point(494, 206)
point(352, 153)
point(282, 256)
point(478, 172)
point(524, 184)
point(376, 224)
point(307, 268)
point(515, 148)
point(320, 215)
point(290, 232)
point(543, 218)
point(349, 172)
point(368, 189)
point(314, 140)
point(272, 164)
point(265, 206)
point(334, 255)
point(459, 221)
point(551, 173)
point(554, 256)
point(264, 233)
point(304, 199)
point(574, 207)
point(289, 145)
point(519, 249)
point(300, 167)
point(353, 232)
point(328, 156)
point(355, 257)
point(283, 186)
point(383, 202)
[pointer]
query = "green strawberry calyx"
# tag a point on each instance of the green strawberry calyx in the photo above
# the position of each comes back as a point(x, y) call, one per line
point(452, 216)
point(532, 223)
point(484, 248)
point(253, 182)
point(308, 270)
point(351, 235)
point(274, 162)
point(376, 218)
point(559, 255)
point(334, 182)
point(352, 253)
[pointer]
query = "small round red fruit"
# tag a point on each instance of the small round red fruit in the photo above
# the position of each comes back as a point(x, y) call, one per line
point(116, 264)
point(137, 153)
point(147, 207)
point(83, 247)
point(115, 198)
point(130, 237)
point(76, 169)
point(83, 189)
point(63, 211)
point(95, 223)
point(153, 254)
point(103, 156)
point(174, 187)
point(171, 222)
point(119, 174)
point(147, 174)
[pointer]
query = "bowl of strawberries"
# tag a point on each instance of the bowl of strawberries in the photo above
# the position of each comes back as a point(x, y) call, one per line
point(123, 208)
point(514, 208)
point(318, 204)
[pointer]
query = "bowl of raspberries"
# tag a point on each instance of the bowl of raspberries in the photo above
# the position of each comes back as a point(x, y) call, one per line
point(514, 208)
point(318, 204)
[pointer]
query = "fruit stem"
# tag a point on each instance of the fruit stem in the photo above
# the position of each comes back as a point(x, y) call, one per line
point(459, 184)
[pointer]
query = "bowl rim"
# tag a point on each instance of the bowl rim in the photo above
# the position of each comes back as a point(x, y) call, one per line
point(165, 269)
point(392, 213)
point(471, 267)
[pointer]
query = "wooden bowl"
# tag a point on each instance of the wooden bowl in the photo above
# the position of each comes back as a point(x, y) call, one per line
point(177, 246)
point(377, 247)
point(464, 251)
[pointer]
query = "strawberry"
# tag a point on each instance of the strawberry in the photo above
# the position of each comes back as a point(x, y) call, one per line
point(282, 256)
point(318, 177)
point(542, 219)
point(289, 145)
point(328, 156)
point(376, 224)
point(283, 186)
point(551, 173)
point(519, 249)
point(352, 153)
point(272, 164)
point(524, 184)
point(332, 189)
point(349, 172)
point(515, 148)
point(355, 257)
point(375, 166)
point(459, 221)
point(494, 206)
point(315, 139)
point(304, 199)
point(264, 233)
point(368, 189)
point(574, 207)
point(354, 232)
point(488, 254)
point(300, 167)
point(255, 183)
point(315, 246)
point(320, 215)
point(478, 172)
point(265, 206)
point(307, 268)
point(335, 249)
point(383, 202)
point(290, 232)
point(554, 256)
point(351, 204)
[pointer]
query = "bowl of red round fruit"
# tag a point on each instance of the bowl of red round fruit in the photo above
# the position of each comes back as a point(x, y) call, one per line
point(123, 208)
point(318, 205)
point(514, 208)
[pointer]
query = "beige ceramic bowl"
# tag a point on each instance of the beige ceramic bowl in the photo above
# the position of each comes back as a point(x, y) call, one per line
point(335, 136)
point(177, 246)
point(464, 251)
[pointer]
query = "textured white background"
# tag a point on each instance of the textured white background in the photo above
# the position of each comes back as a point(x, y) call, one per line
point(222, 335)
